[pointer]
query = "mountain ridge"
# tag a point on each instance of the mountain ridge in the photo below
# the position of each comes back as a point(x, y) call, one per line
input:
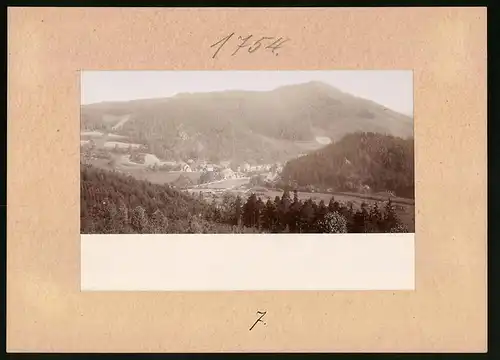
point(240, 124)
point(314, 83)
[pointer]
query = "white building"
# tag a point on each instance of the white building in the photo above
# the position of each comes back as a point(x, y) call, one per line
point(271, 176)
point(245, 167)
point(227, 174)
point(225, 164)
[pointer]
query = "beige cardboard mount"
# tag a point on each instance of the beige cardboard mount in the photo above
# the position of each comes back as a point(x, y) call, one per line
point(47, 49)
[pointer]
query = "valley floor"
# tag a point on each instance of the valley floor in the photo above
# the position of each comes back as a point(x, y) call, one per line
point(241, 186)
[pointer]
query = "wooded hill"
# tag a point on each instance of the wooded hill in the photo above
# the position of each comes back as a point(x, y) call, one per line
point(265, 126)
point(381, 162)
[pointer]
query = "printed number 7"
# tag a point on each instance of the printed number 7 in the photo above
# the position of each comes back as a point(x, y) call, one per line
point(258, 42)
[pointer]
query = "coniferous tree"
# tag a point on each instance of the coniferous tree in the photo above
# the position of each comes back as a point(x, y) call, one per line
point(216, 214)
point(322, 209)
point(350, 207)
point(306, 216)
point(139, 220)
point(270, 216)
point(283, 210)
point(122, 216)
point(277, 205)
point(364, 218)
point(364, 209)
point(228, 208)
point(238, 211)
point(286, 196)
point(294, 213)
point(259, 212)
point(195, 226)
point(390, 217)
point(108, 219)
point(319, 216)
point(249, 211)
point(159, 222)
point(358, 225)
point(375, 219)
point(349, 214)
point(315, 207)
point(331, 206)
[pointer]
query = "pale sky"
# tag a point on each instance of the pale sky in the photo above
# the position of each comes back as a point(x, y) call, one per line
point(391, 88)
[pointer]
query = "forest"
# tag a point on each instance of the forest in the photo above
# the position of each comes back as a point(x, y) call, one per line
point(114, 203)
point(359, 160)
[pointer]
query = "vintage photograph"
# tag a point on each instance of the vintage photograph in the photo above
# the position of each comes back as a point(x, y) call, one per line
point(214, 152)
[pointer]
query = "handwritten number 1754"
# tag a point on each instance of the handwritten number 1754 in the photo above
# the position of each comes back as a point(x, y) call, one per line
point(246, 42)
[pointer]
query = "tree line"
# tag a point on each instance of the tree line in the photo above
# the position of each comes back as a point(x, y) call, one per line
point(292, 215)
point(114, 203)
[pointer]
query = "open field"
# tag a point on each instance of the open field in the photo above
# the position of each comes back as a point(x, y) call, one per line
point(375, 197)
point(226, 184)
point(341, 197)
point(121, 145)
point(165, 177)
point(91, 134)
point(161, 177)
point(140, 172)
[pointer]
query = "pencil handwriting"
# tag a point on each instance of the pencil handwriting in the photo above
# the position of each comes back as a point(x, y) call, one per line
point(251, 43)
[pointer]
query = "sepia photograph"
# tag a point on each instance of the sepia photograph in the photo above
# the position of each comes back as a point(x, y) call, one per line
point(238, 152)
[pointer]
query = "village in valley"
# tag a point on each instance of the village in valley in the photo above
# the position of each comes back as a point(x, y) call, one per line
point(210, 180)
point(101, 149)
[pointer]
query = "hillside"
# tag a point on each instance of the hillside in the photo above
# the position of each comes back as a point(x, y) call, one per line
point(265, 126)
point(182, 182)
point(359, 161)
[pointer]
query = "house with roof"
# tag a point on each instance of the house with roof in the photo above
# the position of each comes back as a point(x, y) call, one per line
point(186, 168)
point(245, 167)
point(227, 174)
point(225, 164)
